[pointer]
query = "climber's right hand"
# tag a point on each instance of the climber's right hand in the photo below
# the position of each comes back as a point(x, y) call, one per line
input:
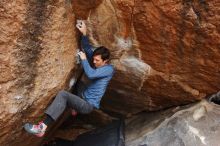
point(81, 26)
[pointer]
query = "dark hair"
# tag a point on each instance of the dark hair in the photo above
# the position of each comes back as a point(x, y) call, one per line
point(104, 52)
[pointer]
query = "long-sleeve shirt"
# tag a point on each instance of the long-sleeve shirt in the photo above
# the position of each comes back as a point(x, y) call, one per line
point(99, 77)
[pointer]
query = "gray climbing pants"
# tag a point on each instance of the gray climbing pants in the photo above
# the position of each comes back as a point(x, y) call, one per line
point(65, 99)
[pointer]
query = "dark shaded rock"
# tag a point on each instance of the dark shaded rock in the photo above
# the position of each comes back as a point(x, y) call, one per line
point(196, 124)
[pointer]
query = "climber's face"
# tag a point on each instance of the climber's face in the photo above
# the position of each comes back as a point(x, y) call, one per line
point(98, 61)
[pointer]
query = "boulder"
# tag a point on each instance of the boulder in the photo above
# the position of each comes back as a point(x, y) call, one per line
point(196, 124)
point(37, 49)
point(166, 53)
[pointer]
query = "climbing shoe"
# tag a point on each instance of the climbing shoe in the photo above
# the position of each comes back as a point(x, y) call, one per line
point(38, 130)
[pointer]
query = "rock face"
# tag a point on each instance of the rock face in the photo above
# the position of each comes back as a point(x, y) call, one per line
point(37, 49)
point(166, 53)
point(192, 125)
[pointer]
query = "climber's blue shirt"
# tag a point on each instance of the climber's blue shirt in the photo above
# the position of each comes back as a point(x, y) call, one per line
point(99, 77)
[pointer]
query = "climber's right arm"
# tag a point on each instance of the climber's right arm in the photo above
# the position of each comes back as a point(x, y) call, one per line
point(84, 40)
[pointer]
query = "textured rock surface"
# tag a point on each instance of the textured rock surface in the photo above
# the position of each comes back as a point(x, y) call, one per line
point(193, 125)
point(166, 53)
point(37, 45)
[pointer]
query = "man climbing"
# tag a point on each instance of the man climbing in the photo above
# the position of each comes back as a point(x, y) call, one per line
point(99, 74)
